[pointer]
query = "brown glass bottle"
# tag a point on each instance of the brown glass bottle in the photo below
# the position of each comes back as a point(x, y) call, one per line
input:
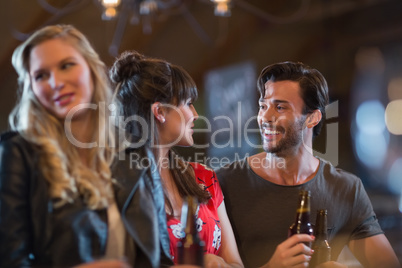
point(322, 250)
point(190, 249)
point(302, 224)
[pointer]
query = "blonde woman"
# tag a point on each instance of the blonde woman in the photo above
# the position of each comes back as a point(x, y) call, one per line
point(59, 206)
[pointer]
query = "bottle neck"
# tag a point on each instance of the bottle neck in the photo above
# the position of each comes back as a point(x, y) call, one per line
point(188, 215)
point(303, 211)
point(321, 226)
point(191, 227)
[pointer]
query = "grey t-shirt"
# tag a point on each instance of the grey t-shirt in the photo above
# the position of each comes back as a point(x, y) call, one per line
point(261, 212)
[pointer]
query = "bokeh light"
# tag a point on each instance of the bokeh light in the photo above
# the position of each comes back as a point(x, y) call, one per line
point(370, 59)
point(395, 89)
point(371, 139)
point(393, 117)
point(395, 177)
point(371, 149)
point(370, 117)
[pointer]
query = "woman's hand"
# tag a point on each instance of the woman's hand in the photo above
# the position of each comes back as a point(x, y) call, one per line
point(292, 253)
point(214, 261)
point(210, 261)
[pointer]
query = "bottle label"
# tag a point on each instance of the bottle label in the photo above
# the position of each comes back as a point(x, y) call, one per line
point(302, 210)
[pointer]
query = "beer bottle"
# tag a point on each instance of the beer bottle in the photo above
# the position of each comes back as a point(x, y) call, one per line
point(322, 250)
point(302, 224)
point(190, 249)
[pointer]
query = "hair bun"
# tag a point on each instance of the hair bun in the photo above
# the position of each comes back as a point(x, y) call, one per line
point(126, 66)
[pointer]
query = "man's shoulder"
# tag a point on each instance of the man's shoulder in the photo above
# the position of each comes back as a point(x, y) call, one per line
point(337, 174)
point(334, 170)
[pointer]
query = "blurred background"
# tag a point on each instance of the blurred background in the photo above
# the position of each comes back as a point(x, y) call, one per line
point(224, 44)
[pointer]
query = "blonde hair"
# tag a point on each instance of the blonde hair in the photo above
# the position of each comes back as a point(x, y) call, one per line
point(59, 162)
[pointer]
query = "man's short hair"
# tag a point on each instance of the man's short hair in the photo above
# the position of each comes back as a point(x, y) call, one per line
point(314, 88)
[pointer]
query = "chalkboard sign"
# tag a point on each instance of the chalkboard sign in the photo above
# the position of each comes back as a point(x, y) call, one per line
point(231, 110)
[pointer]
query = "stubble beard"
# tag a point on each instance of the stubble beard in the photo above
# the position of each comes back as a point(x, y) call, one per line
point(289, 143)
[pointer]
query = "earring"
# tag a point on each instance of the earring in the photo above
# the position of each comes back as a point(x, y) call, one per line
point(162, 119)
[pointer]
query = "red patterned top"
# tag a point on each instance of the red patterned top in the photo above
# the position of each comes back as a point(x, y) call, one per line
point(208, 224)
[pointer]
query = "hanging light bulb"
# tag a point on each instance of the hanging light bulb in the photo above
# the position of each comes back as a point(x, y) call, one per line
point(222, 8)
point(110, 9)
point(148, 7)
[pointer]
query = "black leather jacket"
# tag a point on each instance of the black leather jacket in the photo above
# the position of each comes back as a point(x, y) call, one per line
point(35, 233)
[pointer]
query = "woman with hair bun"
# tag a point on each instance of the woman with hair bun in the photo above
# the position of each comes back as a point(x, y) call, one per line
point(60, 205)
point(156, 100)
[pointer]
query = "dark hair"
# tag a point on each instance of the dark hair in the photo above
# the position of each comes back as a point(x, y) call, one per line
point(314, 88)
point(142, 81)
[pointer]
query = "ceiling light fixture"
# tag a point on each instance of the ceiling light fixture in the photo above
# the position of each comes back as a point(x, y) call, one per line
point(109, 9)
point(222, 8)
point(144, 12)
